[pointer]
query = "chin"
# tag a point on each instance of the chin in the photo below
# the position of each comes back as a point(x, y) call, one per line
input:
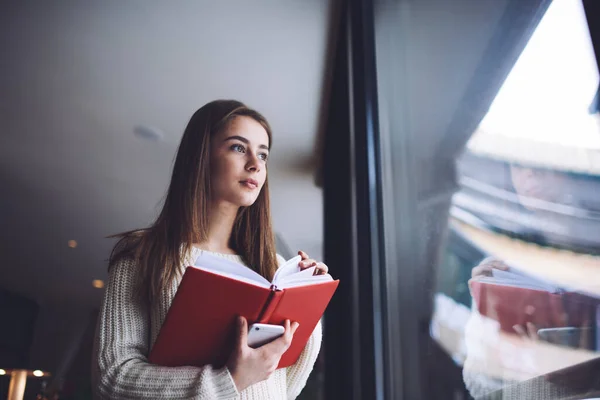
point(246, 201)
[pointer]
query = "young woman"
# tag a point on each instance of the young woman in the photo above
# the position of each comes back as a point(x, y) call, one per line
point(217, 202)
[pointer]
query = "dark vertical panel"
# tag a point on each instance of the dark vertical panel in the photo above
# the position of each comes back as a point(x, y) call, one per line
point(353, 325)
point(592, 15)
point(340, 329)
point(368, 237)
point(402, 242)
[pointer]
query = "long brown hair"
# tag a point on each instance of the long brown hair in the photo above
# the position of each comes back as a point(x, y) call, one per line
point(159, 249)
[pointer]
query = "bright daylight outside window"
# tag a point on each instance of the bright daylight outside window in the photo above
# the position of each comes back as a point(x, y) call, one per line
point(518, 290)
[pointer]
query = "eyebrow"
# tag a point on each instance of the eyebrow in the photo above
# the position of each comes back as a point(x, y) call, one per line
point(244, 140)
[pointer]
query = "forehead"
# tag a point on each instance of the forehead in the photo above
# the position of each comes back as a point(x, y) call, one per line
point(245, 127)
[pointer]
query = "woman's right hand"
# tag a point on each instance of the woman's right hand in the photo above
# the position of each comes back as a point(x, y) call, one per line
point(486, 266)
point(249, 366)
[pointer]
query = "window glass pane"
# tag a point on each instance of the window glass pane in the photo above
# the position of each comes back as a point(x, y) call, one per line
point(517, 297)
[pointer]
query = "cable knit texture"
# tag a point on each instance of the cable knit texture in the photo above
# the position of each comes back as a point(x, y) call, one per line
point(127, 330)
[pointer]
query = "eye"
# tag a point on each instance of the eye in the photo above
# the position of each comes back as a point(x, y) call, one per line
point(239, 148)
point(263, 156)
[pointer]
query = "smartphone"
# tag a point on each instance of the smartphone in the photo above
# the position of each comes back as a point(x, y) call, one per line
point(260, 334)
point(567, 336)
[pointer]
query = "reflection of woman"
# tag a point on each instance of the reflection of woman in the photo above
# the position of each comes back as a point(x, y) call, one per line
point(478, 331)
point(529, 185)
point(493, 356)
point(217, 202)
point(540, 184)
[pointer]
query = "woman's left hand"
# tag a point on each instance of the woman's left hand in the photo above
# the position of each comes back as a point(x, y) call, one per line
point(527, 331)
point(307, 262)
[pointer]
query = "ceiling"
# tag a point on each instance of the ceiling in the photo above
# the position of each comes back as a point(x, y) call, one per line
point(78, 77)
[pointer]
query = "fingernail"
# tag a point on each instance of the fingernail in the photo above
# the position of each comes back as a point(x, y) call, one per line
point(314, 264)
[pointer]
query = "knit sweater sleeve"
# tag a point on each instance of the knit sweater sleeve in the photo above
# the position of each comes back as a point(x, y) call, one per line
point(121, 369)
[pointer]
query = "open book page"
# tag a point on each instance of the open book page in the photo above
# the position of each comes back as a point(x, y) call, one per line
point(290, 267)
point(290, 275)
point(302, 278)
point(230, 269)
point(517, 278)
point(287, 275)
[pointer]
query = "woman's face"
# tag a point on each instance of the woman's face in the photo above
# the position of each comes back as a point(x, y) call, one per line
point(238, 162)
point(536, 183)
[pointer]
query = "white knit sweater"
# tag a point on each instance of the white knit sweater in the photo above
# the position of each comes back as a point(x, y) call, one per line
point(126, 332)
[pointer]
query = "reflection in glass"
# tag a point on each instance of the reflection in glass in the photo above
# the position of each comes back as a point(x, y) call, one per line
point(518, 290)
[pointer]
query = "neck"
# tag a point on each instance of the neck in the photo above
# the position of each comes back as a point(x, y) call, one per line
point(220, 225)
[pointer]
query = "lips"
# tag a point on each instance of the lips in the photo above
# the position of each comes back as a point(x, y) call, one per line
point(250, 183)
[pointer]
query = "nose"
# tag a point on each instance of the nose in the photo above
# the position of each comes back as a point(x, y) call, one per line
point(253, 163)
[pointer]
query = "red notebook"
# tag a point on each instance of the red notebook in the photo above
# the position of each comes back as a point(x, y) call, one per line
point(199, 328)
point(513, 298)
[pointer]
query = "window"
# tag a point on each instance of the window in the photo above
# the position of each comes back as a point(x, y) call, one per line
point(529, 183)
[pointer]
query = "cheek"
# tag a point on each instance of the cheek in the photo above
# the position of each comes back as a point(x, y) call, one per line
point(263, 176)
point(220, 177)
point(222, 167)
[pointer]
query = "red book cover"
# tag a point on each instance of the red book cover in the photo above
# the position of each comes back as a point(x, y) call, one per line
point(306, 305)
point(199, 328)
point(521, 300)
point(513, 305)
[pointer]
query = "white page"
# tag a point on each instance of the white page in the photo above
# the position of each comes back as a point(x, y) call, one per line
point(311, 280)
point(515, 277)
point(315, 280)
point(300, 275)
point(288, 268)
point(231, 269)
point(288, 275)
point(293, 276)
point(518, 284)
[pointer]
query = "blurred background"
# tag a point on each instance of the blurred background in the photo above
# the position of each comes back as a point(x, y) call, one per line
point(419, 148)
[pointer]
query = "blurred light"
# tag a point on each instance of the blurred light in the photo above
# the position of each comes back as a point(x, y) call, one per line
point(72, 244)
point(98, 283)
point(38, 373)
point(2, 372)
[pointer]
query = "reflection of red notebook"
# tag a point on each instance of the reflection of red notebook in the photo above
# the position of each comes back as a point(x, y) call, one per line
point(512, 298)
point(200, 325)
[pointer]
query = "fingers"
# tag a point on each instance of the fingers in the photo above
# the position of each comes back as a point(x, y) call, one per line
point(486, 266)
point(281, 344)
point(242, 335)
point(481, 270)
point(294, 327)
point(309, 262)
point(520, 331)
point(286, 339)
point(321, 269)
point(499, 264)
point(532, 331)
point(529, 332)
point(303, 255)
